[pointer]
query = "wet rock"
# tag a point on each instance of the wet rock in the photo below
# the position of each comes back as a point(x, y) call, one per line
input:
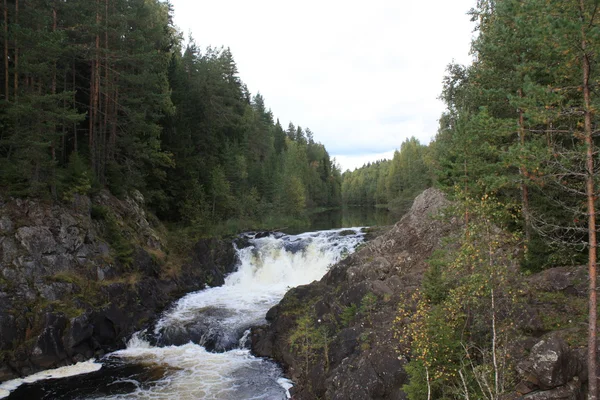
point(39, 241)
point(49, 348)
point(206, 329)
point(214, 258)
point(78, 337)
point(8, 331)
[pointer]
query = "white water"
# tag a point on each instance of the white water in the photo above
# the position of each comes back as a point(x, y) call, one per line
point(62, 372)
point(218, 318)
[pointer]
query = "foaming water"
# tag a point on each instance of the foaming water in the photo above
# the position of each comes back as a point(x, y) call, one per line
point(197, 350)
point(62, 372)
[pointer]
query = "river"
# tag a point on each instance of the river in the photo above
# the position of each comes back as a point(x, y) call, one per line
point(199, 347)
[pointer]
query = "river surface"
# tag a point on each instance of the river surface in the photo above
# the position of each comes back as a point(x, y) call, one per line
point(199, 347)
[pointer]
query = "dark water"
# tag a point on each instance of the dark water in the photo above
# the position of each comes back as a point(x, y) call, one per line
point(351, 217)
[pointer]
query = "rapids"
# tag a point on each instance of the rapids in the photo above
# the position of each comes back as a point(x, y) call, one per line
point(198, 348)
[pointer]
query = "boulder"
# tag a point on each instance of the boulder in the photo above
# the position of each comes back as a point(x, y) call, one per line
point(551, 364)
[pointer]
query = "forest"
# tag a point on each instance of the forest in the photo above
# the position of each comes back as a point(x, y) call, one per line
point(517, 149)
point(108, 94)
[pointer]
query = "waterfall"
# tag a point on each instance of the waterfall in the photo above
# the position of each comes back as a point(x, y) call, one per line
point(198, 348)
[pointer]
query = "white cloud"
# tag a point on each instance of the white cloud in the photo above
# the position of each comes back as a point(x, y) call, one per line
point(363, 76)
point(356, 161)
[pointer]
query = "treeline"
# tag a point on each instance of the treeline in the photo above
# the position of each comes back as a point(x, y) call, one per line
point(391, 183)
point(105, 93)
point(518, 147)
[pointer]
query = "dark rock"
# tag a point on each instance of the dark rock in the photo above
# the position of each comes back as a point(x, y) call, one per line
point(49, 346)
point(8, 331)
point(570, 280)
point(145, 263)
point(8, 250)
point(38, 240)
point(570, 391)
point(78, 338)
point(551, 364)
point(214, 258)
point(6, 225)
point(344, 344)
point(363, 364)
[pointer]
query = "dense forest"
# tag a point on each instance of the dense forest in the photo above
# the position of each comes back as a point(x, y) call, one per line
point(391, 183)
point(106, 93)
point(518, 149)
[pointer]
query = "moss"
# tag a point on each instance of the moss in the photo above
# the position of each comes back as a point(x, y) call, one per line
point(560, 311)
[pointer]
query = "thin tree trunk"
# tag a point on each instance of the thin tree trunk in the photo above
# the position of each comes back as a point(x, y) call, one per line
point(74, 107)
point(53, 89)
point(16, 62)
point(6, 73)
point(94, 93)
point(591, 210)
point(428, 383)
point(524, 175)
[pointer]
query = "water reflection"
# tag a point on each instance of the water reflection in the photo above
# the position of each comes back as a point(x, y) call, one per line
point(351, 216)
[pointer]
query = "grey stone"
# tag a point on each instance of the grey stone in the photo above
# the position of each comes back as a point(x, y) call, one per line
point(55, 290)
point(8, 250)
point(550, 364)
point(6, 224)
point(38, 240)
point(100, 274)
point(82, 204)
point(570, 391)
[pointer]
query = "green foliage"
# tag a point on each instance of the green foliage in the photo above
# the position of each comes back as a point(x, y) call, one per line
point(309, 341)
point(76, 178)
point(434, 285)
point(454, 329)
point(99, 212)
point(348, 314)
point(368, 305)
point(393, 182)
point(122, 247)
point(113, 98)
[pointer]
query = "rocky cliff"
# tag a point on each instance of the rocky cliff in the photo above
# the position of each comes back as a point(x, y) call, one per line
point(77, 279)
point(356, 303)
point(335, 337)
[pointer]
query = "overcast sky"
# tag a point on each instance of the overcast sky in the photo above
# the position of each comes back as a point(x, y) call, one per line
point(363, 76)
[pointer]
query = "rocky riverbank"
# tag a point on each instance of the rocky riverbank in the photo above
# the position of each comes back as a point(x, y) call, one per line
point(77, 279)
point(335, 337)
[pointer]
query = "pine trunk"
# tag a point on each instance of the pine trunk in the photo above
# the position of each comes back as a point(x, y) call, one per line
point(591, 210)
point(16, 62)
point(524, 176)
point(6, 74)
